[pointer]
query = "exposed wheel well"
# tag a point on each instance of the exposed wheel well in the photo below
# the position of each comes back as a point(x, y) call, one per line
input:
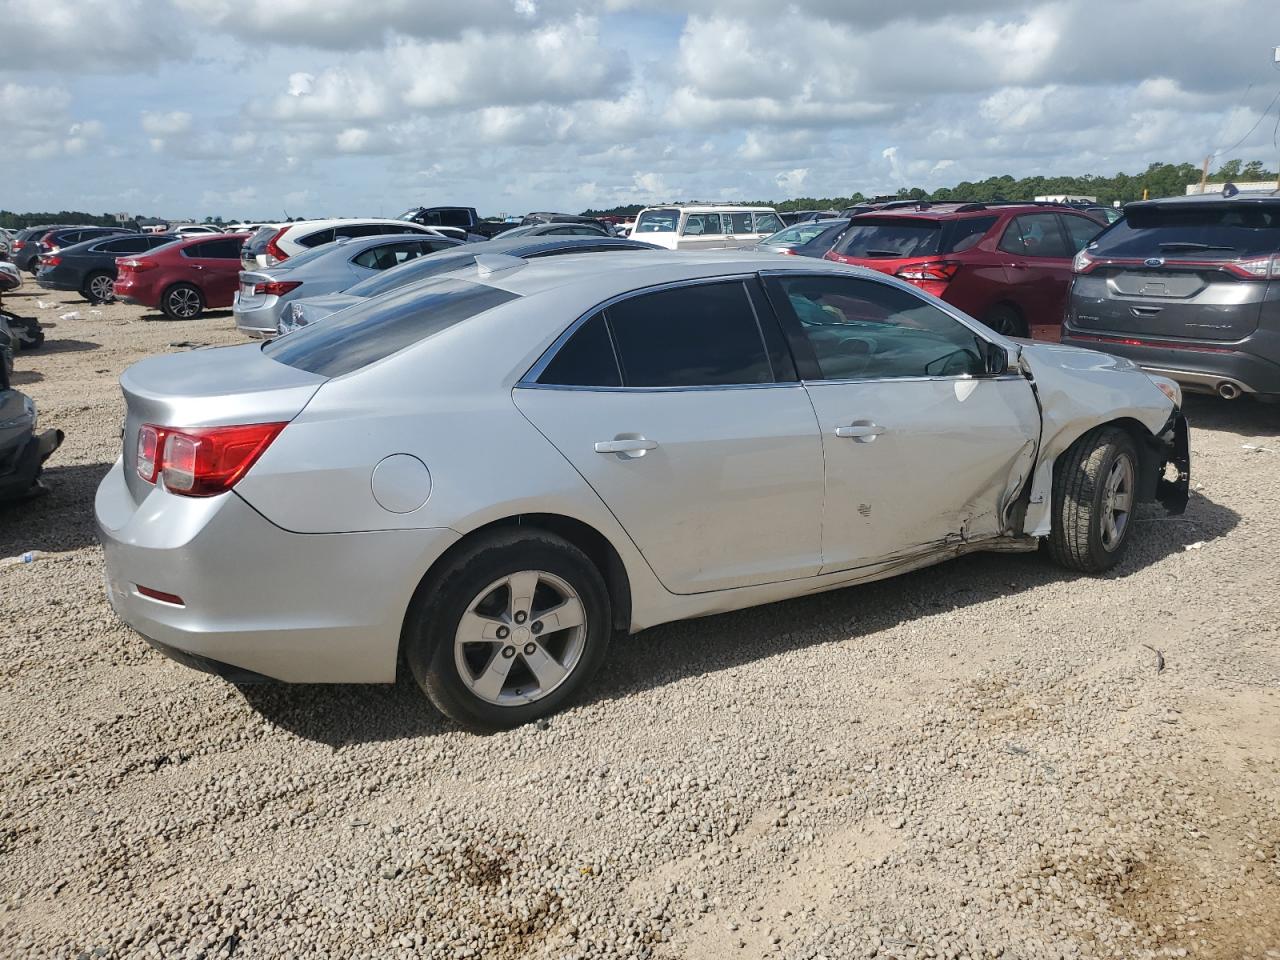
point(583, 536)
point(1149, 451)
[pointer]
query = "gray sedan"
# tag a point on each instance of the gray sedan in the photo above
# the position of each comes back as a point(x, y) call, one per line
point(488, 474)
point(310, 309)
point(264, 295)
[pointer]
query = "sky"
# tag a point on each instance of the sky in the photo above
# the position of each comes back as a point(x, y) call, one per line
point(267, 108)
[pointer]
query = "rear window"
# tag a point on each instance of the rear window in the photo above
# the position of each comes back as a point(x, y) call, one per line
point(657, 221)
point(370, 331)
point(891, 237)
point(1221, 231)
point(421, 269)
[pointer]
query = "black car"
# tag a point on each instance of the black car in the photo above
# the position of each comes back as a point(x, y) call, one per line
point(55, 238)
point(90, 266)
point(1187, 287)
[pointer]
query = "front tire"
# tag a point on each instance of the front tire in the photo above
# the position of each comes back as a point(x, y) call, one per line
point(182, 301)
point(1095, 491)
point(510, 631)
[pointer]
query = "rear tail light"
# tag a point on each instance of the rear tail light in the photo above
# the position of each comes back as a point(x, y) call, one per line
point(204, 461)
point(1255, 268)
point(274, 253)
point(1083, 263)
point(136, 264)
point(276, 288)
point(18, 245)
point(936, 271)
point(50, 260)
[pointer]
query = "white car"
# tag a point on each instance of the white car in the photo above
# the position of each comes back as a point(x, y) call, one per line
point(486, 474)
point(195, 230)
point(290, 239)
point(705, 226)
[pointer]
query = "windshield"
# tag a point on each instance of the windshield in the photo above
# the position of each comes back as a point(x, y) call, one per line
point(891, 237)
point(369, 331)
point(657, 221)
point(1218, 231)
point(420, 269)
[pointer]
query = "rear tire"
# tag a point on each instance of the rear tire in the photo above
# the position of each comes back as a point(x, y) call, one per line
point(1095, 490)
point(98, 287)
point(182, 301)
point(1006, 321)
point(491, 660)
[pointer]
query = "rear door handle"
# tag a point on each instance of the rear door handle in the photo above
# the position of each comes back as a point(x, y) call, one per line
point(860, 432)
point(627, 448)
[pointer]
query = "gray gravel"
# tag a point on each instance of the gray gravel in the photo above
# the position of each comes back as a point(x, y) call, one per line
point(978, 760)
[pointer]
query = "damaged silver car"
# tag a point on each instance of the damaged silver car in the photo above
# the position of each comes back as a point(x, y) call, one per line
point(488, 474)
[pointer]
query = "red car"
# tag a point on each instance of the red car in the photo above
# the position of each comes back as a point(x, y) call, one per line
point(1006, 264)
point(183, 278)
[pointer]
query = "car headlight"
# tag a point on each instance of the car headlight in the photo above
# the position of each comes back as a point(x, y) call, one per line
point(1170, 389)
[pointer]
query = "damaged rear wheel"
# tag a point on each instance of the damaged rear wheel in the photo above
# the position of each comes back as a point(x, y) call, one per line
point(1095, 491)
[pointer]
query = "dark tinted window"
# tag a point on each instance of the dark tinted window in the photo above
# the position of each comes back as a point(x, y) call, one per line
point(1035, 235)
point(214, 250)
point(389, 255)
point(960, 235)
point(370, 331)
point(1081, 230)
point(586, 359)
point(361, 230)
point(449, 217)
point(317, 238)
point(891, 237)
point(738, 222)
point(704, 335)
point(1212, 231)
point(864, 330)
point(420, 269)
point(124, 245)
point(823, 241)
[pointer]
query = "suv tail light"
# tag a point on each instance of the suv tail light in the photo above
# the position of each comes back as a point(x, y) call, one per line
point(274, 253)
point(1083, 263)
point(1255, 268)
point(18, 245)
point(935, 271)
point(136, 264)
point(276, 288)
point(203, 461)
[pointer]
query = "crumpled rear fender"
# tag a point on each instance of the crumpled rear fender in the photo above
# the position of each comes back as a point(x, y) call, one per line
point(1079, 390)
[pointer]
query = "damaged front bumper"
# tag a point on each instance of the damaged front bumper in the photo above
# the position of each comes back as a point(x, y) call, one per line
point(1173, 484)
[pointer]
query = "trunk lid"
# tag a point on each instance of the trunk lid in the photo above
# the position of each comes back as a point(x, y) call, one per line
point(212, 387)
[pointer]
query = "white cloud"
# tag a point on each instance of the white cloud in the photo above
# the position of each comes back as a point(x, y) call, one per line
point(791, 182)
point(166, 124)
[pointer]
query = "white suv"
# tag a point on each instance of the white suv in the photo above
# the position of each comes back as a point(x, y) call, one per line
point(293, 238)
point(705, 226)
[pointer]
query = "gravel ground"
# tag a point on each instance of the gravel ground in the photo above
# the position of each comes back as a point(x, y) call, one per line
point(977, 760)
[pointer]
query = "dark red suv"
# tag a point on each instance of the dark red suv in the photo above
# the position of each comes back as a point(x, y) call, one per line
point(1006, 264)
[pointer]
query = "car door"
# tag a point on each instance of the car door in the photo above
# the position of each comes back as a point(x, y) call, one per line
point(214, 266)
point(1037, 268)
point(680, 407)
point(701, 231)
point(922, 447)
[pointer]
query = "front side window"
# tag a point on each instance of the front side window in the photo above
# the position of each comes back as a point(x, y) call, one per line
point(1036, 235)
point(768, 223)
point(693, 336)
point(657, 221)
point(866, 330)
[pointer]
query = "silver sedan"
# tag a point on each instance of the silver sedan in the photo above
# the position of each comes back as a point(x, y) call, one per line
point(488, 474)
point(263, 295)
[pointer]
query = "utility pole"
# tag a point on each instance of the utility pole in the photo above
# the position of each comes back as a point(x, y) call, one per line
point(1204, 173)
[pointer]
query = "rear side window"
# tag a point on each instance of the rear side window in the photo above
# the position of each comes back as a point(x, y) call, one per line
point(586, 359)
point(389, 255)
point(317, 238)
point(368, 332)
point(1036, 235)
point(657, 221)
point(124, 245)
point(967, 232)
point(702, 224)
point(891, 238)
point(1212, 231)
point(695, 336)
point(738, 222)
point(767, 223)
point(214, 250)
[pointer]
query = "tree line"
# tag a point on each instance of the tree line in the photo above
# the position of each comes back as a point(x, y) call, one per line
point(1158, 180)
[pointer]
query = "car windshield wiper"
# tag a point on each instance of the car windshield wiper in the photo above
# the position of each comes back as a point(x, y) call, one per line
point(1192, 245)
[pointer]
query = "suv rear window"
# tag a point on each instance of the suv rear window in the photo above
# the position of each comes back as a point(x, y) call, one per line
point(1218, 231)
point(370, 331)
point(892, 237)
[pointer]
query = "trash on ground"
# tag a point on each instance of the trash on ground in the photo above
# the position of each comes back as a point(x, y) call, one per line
point(1194, 546)
point(71, 315)
point(31, 556)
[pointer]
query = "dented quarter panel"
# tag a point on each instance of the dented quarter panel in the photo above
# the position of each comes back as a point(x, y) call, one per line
point(1079, 390)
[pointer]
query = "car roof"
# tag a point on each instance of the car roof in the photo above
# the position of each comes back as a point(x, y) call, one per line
point(632, 273)
point(709, 208)
point(1210, 199)
point(409, 227)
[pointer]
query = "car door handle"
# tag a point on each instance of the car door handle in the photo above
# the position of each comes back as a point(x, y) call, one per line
point(861, 432)
point(627, 448)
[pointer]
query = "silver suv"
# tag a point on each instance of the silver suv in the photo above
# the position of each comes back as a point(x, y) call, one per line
point(1187, 287)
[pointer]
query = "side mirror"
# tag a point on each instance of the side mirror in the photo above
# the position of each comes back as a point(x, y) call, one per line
point(996, 359)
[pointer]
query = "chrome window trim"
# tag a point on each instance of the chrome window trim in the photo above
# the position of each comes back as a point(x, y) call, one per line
point(958, 378)
point(791, 384)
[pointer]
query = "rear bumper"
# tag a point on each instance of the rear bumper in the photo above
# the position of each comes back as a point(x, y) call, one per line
point(257, 599)
point(258, 320)
point(1173, 486)
point(1203, 370)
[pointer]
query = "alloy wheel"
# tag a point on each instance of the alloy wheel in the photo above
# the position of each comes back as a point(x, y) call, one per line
point(1117, 502)
point(103, 289)
point(184, 302)
point(520, 638)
